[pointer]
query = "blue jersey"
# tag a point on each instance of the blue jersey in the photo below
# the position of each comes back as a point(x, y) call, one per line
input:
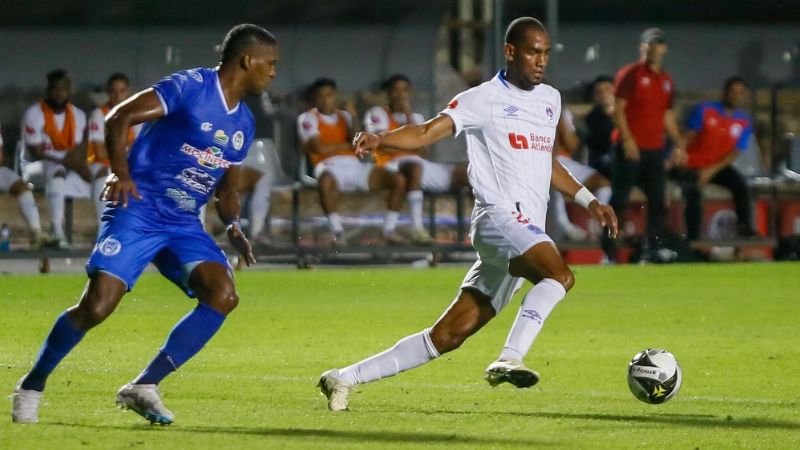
point(178, 160)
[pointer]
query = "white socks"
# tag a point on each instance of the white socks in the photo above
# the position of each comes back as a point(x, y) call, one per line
point(415, 202)
point(409, 352)
point(259, 206)
point(536, 306)
point(27, 206)
point(99, 205)
point(54, 189)
point(335, 223)
point(390, 221)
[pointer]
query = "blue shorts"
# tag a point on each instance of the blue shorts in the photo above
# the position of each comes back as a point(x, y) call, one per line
point(130, 238)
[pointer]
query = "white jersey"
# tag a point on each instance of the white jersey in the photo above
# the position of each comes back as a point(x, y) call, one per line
point(510, 136)
point(377, 119)
point(33, 128)
point(308, 125)
point(97, 124)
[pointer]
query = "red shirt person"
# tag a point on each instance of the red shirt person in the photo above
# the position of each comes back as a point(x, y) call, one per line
point(717, 132)
point(643, 115)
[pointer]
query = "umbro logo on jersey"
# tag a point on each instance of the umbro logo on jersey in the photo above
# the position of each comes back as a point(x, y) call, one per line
point(532, 142)
point(511, 110)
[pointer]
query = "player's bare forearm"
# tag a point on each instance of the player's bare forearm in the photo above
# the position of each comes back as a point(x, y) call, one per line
point(563, 181)
point(408, 137)
point(141, 107)
point(228, 209)
point(228, 204)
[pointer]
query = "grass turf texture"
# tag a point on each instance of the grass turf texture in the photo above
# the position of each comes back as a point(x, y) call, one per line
point(734, 329)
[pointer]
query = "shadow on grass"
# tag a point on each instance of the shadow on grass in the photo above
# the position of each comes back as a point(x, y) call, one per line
point(345, 435)
point(694, 420)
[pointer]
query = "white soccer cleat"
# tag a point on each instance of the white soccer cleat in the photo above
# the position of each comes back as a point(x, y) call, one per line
point(25, 405)
point(335, 389)
point(145, 400)
point(63, 244)
point(510, 371)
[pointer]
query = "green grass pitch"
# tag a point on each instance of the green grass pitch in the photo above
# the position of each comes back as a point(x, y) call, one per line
point(734, 328)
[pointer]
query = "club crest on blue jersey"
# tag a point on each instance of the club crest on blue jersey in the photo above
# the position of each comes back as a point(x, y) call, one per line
point(109, 246)
point(238, 140)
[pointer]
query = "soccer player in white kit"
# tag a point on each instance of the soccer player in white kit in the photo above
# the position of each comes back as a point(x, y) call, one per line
point(510, 124)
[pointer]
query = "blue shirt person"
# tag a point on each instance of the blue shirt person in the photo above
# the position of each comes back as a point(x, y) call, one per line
point(197, 135)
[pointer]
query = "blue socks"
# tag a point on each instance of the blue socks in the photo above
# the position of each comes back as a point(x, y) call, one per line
point(187, 338)
point(62, 338)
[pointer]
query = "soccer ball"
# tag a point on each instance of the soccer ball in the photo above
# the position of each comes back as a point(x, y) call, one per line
point(654, 376)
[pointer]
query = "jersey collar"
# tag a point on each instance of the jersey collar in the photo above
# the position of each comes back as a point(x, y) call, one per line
point(501, 77)
point(222, 95)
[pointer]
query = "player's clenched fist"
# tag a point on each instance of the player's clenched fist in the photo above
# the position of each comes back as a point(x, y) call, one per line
point(365, 142)
point(117, 190)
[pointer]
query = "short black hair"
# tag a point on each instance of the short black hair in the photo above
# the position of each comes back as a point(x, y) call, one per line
point(389, 82)
point(320, 83)
point(240, 37)
point(736, 79)
point(117, 76)
point(56, 75)
point(603, 78)
point(517, 28)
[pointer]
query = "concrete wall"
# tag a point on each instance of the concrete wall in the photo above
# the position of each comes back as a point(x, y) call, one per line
point(700, 56)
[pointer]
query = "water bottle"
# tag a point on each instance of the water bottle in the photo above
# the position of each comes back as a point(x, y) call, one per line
point(5, 238)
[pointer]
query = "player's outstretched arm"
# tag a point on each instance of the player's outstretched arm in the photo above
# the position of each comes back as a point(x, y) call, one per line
point(408, 137)
point(229, 208)
point(141, 107)
point(564, 182)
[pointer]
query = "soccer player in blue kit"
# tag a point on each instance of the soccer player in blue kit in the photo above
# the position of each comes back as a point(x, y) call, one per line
point(197, 135)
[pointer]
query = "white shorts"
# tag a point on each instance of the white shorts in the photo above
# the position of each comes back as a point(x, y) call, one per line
point(500, 233)
point(437, 177)
point(350, 173)
point(581, 172)
point(7, 178)
point(38, 172)
point(394, 164)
